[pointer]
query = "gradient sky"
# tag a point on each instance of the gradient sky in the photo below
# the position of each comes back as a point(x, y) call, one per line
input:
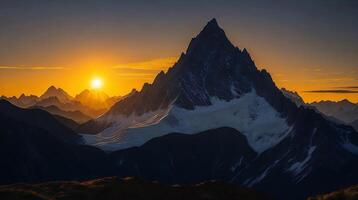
point(307, 46)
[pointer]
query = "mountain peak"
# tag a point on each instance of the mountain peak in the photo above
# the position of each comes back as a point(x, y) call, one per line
point(51, 88)
point(212, 24)
point(52, 91)
point(210, 40)
point(212, 29)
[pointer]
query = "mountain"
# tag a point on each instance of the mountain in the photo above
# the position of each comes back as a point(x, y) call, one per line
point(69, 123)
point(344, 110)
point(126, 189)
point(61, 95)
point(75, 115)
point(293, 96)
point(40, 119)
point(89, 102)
point(96, 99)
point(23, 101)
point(214, 84)
point(70, 106)
point(222, 151)
point(34, 146)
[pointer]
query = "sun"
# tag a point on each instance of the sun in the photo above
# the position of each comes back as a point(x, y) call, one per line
point(96, 83)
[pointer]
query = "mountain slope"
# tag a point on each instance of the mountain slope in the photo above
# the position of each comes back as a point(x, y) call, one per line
point(40, 119)
point(69, 123)
point(32, 150)
point(77, 116)
point(126, 189)
point(304, 164)
point(294, 96)
point(180, 158)
point(350, 193)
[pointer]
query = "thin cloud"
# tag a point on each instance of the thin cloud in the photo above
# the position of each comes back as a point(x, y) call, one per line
point(155, 64)
point(136, 74)
point(137, 70)
point(32, 68)
point(348, 87)
point(333, 91)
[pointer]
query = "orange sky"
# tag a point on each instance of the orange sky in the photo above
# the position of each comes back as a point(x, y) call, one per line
point(121, 78)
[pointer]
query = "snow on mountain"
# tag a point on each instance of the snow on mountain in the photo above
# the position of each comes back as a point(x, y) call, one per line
point(251, 114)
point(213, 84)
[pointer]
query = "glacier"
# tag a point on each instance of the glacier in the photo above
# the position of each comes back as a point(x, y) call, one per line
point(250, 114)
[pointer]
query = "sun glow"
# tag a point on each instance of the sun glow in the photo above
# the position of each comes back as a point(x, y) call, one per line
point(96, 83)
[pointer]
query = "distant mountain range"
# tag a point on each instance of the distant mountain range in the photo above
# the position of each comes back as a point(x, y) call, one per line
point(59, 93)
point(85, 106)
point(342, 112)
point(212, 116)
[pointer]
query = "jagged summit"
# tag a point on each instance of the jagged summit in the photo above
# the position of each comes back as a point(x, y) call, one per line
point(211, 67)
point(52, 91)
point(211, 38)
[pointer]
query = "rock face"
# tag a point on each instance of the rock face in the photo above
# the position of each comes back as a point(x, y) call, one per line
point(293, 96)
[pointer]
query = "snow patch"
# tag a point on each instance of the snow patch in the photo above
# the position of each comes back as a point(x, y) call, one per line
point(236, 165)
point(258, 179)
point(298, 167)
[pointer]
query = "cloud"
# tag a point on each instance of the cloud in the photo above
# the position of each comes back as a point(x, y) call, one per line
point(32, 68)
point(333, 91)
point(145, 70)
point(154, 64)
point(126, 70)
point(348, 87)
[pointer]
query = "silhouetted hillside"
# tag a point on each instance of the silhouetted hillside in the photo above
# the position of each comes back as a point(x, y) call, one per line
point(126, 189)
